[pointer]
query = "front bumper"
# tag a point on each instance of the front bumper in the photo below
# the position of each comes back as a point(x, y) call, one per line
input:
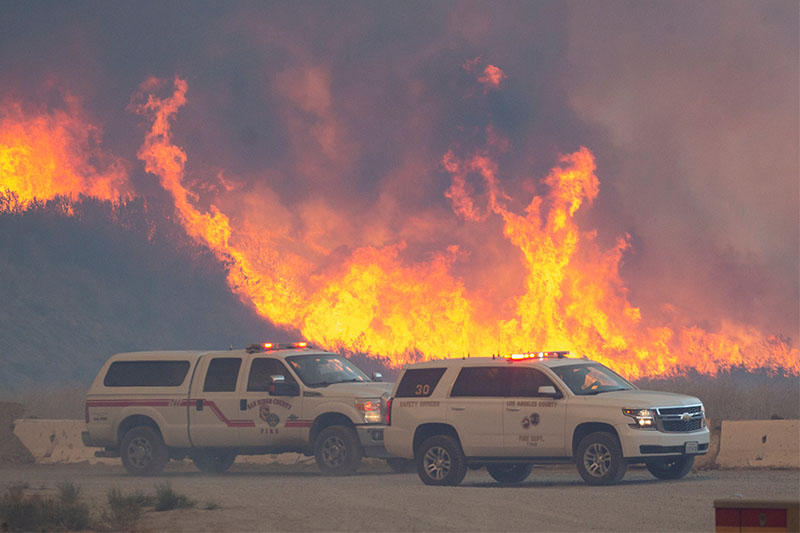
point(653, 443)
point(371, 438)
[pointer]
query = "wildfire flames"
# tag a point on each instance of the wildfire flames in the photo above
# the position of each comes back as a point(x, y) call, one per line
point(568, 295)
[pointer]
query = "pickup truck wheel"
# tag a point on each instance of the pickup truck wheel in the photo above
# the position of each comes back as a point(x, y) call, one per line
point(440, 461)
point(400, 465)
point(338, 451)
point(599, 459)
point(674, 469)
point(510, 472)
point(143, 451)
point(211, 462)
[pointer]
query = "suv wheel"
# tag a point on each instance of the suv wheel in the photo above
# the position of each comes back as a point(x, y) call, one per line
point(674, 469)
point(440, 461)
point(599, 459)
point(211, 462)
point(510, 472)
point(337, 450)
point(143, 451)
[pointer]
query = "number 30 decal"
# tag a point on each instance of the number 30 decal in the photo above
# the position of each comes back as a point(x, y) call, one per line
point(422, 390)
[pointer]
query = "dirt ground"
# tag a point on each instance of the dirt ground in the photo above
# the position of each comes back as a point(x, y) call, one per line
point(298, 498)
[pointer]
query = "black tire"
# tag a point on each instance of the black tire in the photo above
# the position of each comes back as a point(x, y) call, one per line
point(510, 472)
point(213, 462)
point(338, 451)
point(400, 465)
point(440, 461)
point(671, 469)
point(143, 451)
point(599, 459)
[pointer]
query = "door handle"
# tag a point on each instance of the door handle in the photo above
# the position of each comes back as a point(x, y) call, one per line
point(458, 408)
point(243, 405)
point(198, 404)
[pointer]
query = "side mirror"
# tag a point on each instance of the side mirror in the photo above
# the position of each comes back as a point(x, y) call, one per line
point(549, 391)
point(377, 376)
point(280, 387)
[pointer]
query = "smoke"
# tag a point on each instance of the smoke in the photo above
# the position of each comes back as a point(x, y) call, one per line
point(322, 137)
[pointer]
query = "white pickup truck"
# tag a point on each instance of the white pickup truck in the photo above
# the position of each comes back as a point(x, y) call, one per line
point(508, 413)
point(150, 407)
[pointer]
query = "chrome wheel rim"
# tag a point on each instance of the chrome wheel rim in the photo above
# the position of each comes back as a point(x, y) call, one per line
point(140, 452)
point(597, 459)
point(436, 463)
point(333, 451)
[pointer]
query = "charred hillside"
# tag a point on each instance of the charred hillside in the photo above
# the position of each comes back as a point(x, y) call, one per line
point(104, 280)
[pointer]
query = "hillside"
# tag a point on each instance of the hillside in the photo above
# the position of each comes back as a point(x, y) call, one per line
point(77, 288)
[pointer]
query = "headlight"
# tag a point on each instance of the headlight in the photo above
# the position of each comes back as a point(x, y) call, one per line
point(370, 409)
point(643, 418)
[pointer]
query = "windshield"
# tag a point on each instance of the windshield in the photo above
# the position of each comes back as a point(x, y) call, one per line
point(593, 378)
point(321, 370)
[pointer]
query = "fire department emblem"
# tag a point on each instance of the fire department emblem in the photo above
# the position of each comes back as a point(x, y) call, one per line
point(270, 418)
point(529, 421)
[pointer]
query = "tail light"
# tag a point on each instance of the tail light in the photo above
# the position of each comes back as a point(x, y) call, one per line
point(389, 411)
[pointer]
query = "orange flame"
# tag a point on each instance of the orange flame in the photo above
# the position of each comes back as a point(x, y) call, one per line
point(48, 155)
point(377, 301)
point(573, 296)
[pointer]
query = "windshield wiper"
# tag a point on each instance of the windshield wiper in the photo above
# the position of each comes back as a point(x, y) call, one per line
point(322, 384)
point(594, 392)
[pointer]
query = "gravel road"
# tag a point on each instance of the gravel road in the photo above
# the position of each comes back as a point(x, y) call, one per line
point(298, 498)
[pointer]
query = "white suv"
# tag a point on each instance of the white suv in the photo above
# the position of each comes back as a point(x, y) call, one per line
point(508, 413)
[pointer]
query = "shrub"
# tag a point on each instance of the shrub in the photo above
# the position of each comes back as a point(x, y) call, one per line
point(34, 513)
point(123, 511)
point(167, 499)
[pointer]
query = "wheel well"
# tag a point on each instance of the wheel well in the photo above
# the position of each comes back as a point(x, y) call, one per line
point(326, 420)
point(135, 421)
point(429, 430)
point(590, 427)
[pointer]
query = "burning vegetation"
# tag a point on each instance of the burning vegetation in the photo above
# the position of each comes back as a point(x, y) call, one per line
point(535, 279)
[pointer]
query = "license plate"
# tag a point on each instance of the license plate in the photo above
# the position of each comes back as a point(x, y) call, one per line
point(691, 447)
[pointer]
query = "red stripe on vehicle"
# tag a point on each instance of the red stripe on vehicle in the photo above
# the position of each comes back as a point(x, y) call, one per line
point(166, 403)
point(216, 410)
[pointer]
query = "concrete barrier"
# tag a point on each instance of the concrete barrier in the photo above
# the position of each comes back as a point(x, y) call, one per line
point(56, 441)
point(760, 443)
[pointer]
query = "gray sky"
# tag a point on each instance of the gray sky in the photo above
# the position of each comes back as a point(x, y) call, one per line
point(691, 110)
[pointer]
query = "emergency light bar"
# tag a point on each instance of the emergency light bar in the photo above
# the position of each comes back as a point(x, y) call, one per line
point(536, 355)
point(267, 346)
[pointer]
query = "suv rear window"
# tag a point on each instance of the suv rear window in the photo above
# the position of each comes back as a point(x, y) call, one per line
point(146, 373)
point(419, 382)
point(492, 381)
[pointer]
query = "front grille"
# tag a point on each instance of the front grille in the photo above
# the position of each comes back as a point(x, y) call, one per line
point(679, 419)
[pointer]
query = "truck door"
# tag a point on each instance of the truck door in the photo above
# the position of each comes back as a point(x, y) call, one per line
point(214, 415)
point(475, 410)
point(274, 417)
point(533, 420)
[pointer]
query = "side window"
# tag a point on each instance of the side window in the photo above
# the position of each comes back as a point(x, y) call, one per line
point(222, 374)
point(261, 370)
point(525, 382)
point(491, 381)
point(419, 382)
point(146, 373)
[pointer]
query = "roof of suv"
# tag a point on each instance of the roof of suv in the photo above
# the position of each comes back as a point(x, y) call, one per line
point(484, 361)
